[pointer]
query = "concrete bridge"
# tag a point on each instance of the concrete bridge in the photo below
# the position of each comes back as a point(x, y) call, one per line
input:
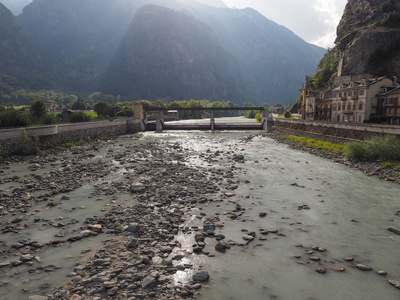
point(160, 125)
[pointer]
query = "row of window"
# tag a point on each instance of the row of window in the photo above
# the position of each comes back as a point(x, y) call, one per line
point(351, 93)
point(393, 110)
point(349, 106)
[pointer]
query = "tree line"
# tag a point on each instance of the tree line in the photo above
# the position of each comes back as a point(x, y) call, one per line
point(37, 113)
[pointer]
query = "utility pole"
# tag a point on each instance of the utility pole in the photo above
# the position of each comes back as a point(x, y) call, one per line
point(26, 110)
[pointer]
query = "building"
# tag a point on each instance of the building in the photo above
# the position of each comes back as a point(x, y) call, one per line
point(66, 115)
point(277, 109)
point(386, 105)
point(51, 104)
point(318, 105)
point(353, 102)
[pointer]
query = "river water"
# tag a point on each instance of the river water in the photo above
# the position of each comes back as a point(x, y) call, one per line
point(309, 202)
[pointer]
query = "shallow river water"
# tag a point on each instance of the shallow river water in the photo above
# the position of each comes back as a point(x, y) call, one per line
point(309, 202)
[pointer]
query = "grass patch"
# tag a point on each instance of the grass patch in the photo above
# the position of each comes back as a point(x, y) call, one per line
point(72, 144)
point(320, 145)
point(283, 116)
point(91, 114)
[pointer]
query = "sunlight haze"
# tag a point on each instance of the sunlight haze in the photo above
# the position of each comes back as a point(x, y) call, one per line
point(315, 21)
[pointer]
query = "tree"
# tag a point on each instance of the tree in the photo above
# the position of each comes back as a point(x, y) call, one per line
point(38, 108)
point(101, 108)
point(78, 104)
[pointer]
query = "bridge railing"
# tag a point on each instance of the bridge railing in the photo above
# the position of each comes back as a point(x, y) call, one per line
point(157, 108)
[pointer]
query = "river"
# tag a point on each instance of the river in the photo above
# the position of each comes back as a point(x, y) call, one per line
point(308, 201)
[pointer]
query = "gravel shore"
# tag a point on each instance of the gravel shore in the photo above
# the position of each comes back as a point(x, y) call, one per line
point(142, 255)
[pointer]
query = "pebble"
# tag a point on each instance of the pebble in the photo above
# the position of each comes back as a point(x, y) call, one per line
point(363, 267)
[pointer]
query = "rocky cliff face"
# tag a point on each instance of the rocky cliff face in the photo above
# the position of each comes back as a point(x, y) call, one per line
point(368, 38)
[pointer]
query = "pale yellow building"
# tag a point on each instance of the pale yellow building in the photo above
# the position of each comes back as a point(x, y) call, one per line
point(353, 102)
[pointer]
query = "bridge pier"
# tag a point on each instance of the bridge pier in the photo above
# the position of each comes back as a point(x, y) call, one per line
point(160, 121)
point(267, 120)
point(212, 121)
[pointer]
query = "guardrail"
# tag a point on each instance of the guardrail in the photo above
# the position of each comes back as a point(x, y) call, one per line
point(7, 134)
point(373, 128)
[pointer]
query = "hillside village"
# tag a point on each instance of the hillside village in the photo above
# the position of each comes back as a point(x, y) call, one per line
point(354, 99)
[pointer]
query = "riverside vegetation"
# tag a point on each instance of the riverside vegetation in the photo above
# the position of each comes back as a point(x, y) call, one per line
point(379, 156)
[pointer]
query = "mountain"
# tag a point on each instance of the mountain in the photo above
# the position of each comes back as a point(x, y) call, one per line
point(248, 62)
point(237, 54)
point(368, 38)
point(170, 54)
point(275, 59)
point(22, 60)
point(15, 6)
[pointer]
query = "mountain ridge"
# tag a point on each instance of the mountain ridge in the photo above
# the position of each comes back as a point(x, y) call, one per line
point(83, 37)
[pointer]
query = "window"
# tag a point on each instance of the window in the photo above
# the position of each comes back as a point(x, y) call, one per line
point(360, 106)
point(343, 106)
point(338, 107)
point(334, 107)
point(349, 93)
point(361, 93)
point(334, 95)
point(349, 106)
point(340, 94)
point(354, 106)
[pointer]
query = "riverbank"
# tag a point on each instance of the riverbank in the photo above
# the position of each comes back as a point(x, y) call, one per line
point(384, 171)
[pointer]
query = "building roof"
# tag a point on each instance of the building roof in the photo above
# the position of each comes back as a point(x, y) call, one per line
point(360, 83)
point(390, 90)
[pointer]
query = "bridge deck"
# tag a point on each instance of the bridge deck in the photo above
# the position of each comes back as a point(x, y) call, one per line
point(207, 126)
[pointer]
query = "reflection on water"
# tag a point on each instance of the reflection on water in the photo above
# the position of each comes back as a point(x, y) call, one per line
point(349, 213)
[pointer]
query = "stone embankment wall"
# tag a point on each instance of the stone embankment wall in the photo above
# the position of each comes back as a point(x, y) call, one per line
point(345, 130)
point(51, 136)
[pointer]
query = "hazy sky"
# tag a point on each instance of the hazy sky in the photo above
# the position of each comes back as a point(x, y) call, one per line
point(315, 21)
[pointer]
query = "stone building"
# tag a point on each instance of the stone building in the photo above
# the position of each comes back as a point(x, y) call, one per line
point(386, 105)
point(318, 105)
point(353, 102)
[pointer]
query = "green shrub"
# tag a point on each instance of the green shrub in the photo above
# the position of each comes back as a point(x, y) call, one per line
point(49, 119)
point(392, 20)
point(80, 116)
point(384, 149)
point(356, 151)
point(2, 159)
point(68, 145)
point(387, 6)
point(27, 145)
point(12, 118)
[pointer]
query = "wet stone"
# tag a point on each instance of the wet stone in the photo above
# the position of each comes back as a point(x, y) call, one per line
point(381, 272)
point(395, 283)
point(349, 258)
point(201, 276)
point(222, 247)
point(363, 267)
